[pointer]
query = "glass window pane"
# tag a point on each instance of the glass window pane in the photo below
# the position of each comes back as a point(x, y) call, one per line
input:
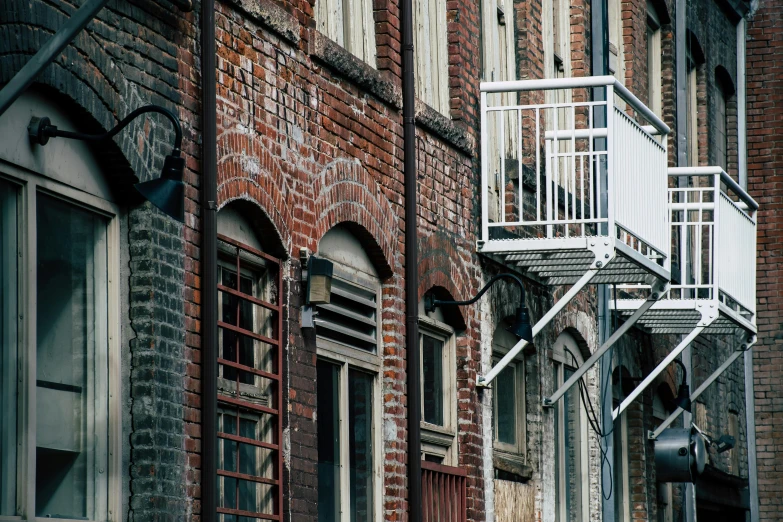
point(506, 396)
point(360, 444)
point(8, 345)
point(432, 370)
point(72, 367)
point(328, 408)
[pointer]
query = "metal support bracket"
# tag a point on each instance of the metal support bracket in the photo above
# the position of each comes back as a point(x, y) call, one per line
point(659, 290)
point(603, 249)
point(485, 380)
point(709, 313)
point(653, 435)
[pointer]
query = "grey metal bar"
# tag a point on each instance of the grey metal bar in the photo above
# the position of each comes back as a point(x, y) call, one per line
point(550, 401)
point(698, 391)
point(658, 369)
point(48, 52)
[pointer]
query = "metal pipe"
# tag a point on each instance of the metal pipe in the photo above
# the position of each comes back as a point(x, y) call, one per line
point(550, 401)
point(750, 420)
point(209, 330)
point(658, 369)
point(413, 368)
point(48, 52)
point(698, 391)
point(546, 319)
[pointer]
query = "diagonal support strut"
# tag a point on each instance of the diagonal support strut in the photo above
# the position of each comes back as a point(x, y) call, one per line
point(698, 391)
point(484, 381)
point(551, 400)
point(704, 323)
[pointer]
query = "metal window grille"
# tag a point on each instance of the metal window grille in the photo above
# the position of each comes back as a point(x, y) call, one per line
point(250, 401)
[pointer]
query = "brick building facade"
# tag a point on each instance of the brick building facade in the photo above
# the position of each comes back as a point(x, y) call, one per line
point(310, 161)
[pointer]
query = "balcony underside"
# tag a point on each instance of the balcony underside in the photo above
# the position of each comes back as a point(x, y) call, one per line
point(563, 261)
point(681, 316)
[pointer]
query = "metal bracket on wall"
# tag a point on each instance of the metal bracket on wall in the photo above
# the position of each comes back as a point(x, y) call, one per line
point(659, 290)
point(708, 315)
point(744, 347)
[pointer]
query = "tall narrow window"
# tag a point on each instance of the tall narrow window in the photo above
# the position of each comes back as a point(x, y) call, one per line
point(350, 23)
point(432, 75)
point(692, 124)
point(654, 78)
point(249, 363)
point(508, 402)
point(725, 123)
point(9, 354)
point(620, 471)
point(571, 494)
point(348, 401)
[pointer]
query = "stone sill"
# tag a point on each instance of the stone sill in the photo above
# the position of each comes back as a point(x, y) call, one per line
point(451, 131)
point(272, 16)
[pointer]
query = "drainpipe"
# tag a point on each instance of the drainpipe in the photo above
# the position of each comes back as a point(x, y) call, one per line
point(209, 331)
point(750, 400)
point(54, 46)
point(411, 266)
point(599, 27)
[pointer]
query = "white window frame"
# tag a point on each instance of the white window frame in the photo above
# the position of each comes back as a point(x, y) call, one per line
point(30, 185)
point(516, 451)
point(432, 59)
point(347, 358)
point(616, 47)
point(350, 24)
point(654, 74)
point(561, 359)
point(692, 107)
point(441, 441)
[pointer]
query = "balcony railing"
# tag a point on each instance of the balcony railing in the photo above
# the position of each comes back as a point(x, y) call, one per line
point(556, 171)
point(713, 239)
point(444, 493)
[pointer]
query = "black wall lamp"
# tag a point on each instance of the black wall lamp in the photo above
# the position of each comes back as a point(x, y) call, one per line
point(167, 192)
point(683, 399)
point(521, 326)
point(318, 286)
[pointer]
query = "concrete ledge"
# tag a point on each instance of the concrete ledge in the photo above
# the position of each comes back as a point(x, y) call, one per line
point(454, 133)
point(336, 57)
point(271, 15)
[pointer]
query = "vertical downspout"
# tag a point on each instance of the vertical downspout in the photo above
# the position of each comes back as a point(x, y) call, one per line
point(411, 266)
point(209, 266)
point(599, 26)
point(681, 124)
point(742, 161)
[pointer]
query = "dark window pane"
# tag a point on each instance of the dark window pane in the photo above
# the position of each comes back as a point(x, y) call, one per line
point(360, 444)
point(505, 395)
point(328, 408)
point(432, 370)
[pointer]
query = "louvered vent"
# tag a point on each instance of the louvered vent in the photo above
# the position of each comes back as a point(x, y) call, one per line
point(350, 319)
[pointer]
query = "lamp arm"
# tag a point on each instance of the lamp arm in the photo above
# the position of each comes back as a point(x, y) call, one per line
point(437, 302)
point(684, 371)
point(46, 131)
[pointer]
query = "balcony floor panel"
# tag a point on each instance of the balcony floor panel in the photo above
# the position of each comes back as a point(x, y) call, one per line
point(680, 316)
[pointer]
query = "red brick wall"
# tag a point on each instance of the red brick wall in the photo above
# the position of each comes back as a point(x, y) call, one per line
point(765, 167)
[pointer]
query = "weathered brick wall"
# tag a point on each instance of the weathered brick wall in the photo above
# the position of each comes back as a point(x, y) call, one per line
point(765, 159)
point(132, 54)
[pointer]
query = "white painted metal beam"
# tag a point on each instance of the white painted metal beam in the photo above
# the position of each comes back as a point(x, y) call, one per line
point(551, 400)
point(561, 303)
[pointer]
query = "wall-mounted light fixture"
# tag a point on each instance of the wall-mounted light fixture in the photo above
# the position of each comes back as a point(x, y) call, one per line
point(167, 192)
point(318, 286)
point(521, 327)
point(683, 399)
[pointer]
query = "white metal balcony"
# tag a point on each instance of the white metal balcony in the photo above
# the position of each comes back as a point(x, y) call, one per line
point(713, 236)
point(566, 190)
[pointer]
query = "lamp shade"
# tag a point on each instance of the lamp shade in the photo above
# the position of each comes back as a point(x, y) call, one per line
point(319, 280)
point(683, 399)
point(521, 327)
point(168, 191)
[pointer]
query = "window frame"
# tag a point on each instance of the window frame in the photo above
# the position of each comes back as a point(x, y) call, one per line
point(654, 66)
point(560, 363)
point(30, 185)
point(440, 441)
point(349, 358)
point(432, 56)
point(517, 451)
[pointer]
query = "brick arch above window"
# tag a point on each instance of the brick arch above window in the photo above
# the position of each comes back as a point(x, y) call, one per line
point(346, 193)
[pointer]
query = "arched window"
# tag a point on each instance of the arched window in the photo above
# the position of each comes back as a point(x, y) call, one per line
point(59, 325)
point(349, 404)
point(571, 453)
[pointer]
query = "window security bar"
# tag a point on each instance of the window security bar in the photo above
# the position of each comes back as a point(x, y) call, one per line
point(654, 296)
point(707, 318)
point(652, 435)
